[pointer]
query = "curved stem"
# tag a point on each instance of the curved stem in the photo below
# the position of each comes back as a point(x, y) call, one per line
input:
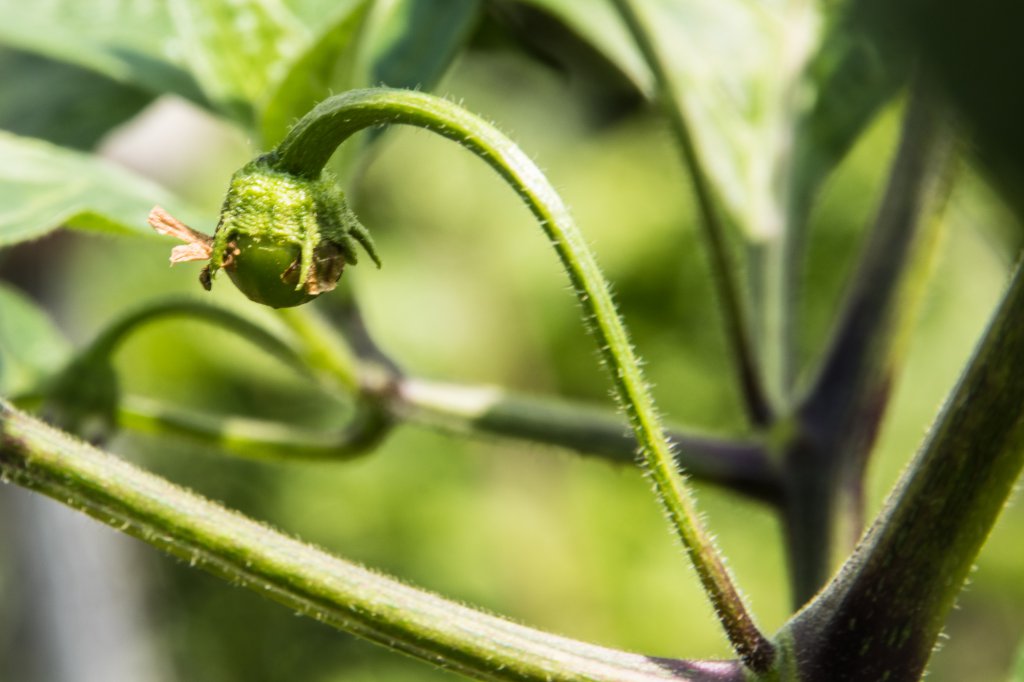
point(256, 438)
point(114, 335)
point(336, 592)
point(387, 395)
point(242, 436)
point(309, 145)
point(723, 269)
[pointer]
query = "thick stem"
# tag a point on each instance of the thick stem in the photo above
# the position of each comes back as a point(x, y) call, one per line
point(859, 356)
point(723, 270)
point(841, 414)
point(305, 152)
point(306, 579)
point(880, 618)
point(742, 466)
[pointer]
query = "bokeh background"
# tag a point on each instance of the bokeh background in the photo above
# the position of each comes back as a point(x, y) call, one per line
point(470, 292)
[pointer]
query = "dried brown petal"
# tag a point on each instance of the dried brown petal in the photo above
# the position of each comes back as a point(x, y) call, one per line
point(198, 246)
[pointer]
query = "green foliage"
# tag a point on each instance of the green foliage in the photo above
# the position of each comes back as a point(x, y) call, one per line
point(329, 63)
point(30, 344)
point(43, 186)
point(124, 40)
point(39, 95)
point(419, 40)
point(764, 100)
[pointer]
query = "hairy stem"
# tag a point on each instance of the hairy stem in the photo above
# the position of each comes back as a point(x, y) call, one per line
point(723, 269)
point(880, 617)
point(306, 579)
point(305, 152)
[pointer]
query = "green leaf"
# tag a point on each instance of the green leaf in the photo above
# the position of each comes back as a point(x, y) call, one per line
point(237, 50)
point(43, 187)
point(598, 23)
point(31, 346)
point(327, 64)
point(847, 82)
point(735, 68)
point(62, 103)
point(419, 40)
point(125, 40)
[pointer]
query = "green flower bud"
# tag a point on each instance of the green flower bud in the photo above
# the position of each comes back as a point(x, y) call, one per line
point(283, 239)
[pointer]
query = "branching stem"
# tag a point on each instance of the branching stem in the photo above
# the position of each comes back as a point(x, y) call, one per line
point(311, 582)
point(881, 616)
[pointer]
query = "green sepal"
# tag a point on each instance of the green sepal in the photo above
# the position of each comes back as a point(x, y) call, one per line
point(285, 239)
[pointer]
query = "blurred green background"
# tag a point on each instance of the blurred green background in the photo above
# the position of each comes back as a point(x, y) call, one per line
point(470, 292)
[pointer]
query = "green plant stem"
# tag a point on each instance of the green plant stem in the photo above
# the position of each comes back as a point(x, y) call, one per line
point(859, 359)
point(107, 342)
point(880, 617)
point(322, 348)
point(739, 465)
point(309, 145)
point(306, 579)
point(256, 438)
point(723, 268)
point(474, 411)
point(841, 413)
point(386, 396)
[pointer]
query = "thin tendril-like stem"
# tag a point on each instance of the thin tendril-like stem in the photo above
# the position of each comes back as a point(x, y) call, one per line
point(737, 324)
point(111, 337)
point(307, 149)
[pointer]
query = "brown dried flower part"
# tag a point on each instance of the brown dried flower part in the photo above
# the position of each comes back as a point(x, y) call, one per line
point(197, 246)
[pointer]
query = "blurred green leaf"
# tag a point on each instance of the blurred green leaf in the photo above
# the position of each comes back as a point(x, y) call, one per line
point(975, 53)
point(43, 187)
point(420, 39)
point(327, 65)
point(848, 81)
point(598, 23)
point(60, 102)
point(31, 346)
point(1017, 674)
point(736, 68)
point(237, 50)
point(83, 397)
point(125, 40)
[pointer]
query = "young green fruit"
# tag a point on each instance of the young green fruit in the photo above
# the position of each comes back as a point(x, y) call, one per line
point(282, 239)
